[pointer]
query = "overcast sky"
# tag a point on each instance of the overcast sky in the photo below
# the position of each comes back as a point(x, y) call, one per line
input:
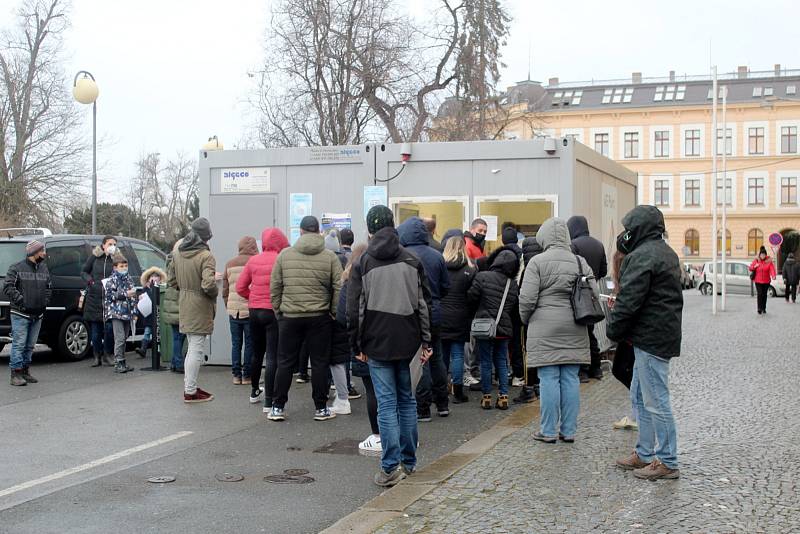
point(172, 73)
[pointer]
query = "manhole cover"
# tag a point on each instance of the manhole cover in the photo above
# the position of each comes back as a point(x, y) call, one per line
point(161, 480)
point(296, 472)
point(229, 477)
point(290, 476)
point(343, 446)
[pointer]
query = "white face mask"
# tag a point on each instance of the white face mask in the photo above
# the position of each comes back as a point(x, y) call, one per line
point(123, 272)
point(111, 250)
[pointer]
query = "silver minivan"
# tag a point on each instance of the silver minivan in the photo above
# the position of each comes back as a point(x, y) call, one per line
point(737, 279)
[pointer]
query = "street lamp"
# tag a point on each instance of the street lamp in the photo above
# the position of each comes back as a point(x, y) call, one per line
point(85, 91)
point(213, 144)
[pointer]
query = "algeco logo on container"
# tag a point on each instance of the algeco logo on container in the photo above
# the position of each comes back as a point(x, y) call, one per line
point(235, 174)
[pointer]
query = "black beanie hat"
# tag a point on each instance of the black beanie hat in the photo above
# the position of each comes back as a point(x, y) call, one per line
point(310, 224)
point(509, 235)
point(379, 217)
point(762, 250)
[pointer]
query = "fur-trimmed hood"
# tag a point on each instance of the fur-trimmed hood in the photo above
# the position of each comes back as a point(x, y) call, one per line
point(150, 272)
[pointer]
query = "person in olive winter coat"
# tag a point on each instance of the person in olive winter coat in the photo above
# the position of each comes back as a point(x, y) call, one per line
point(556, 345)
point(305, 284)
point(238, 311)
point(791, 277)
point(99, 266)
point(456, 313)
point(593, 251)
point(647, 313)
point(27, 288)
point(487, 292)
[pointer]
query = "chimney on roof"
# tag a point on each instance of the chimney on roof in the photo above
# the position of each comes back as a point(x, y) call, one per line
point(741, 72)
point(636, 77)
point(553, 82)
point(671, 76)
point(777, 69)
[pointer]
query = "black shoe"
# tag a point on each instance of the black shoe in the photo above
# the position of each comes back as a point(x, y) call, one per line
point(583, 376)
point(597, 374)
point(424, 415)
point(442, 411)
point(476, 387)
point(352, 393)
point(527, 395)
point(141, 352)
point(27, 376)
point(178, 370)
point(565, 439)
point(303, 379)
point(538, 436)
point(458, 394)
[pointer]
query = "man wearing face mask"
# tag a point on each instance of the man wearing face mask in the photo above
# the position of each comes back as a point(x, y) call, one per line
point(98, 267)
point(27, 287)
point(475, 239)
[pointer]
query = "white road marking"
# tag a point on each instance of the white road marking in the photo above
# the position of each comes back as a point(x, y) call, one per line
point(93, 464)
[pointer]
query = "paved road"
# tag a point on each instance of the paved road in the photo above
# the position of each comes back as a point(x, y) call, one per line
point(735, 396)
point(78, 415)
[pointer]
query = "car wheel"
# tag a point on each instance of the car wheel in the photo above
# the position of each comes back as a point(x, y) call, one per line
point(705, 288)
point(73, 339)
point(772, 292)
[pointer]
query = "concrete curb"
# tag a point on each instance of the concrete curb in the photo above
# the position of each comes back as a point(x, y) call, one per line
point(393, 502)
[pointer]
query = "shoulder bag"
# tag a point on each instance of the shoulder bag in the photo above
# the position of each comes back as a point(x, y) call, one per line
point(586, 307)
point(485, 327)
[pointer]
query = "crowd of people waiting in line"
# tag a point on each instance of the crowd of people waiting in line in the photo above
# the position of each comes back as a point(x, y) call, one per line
point(371, 310)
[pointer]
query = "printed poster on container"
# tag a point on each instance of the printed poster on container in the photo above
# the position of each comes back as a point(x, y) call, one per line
point(245, 180)
point(335, 220)
point(300, 205)
point(375, 195)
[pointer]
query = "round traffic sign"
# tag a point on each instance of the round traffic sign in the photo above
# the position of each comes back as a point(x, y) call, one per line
point(775, 239)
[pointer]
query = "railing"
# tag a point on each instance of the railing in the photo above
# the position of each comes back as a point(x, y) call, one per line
point(783, 73)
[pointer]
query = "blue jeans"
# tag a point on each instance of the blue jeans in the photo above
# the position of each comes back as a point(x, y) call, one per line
point(454, 352)
point(397, 413)
point(102, 337)
point(177, 347)
point(240, 333)
point(24, 333)
point(493, 352)
point(559, 387)
point(658, 436)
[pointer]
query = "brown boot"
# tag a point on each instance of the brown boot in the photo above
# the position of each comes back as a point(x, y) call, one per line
point(27, 376)
point(17, 379)
point(631, 462)
point(657, 471)
point(502, 402)
point(486, 402)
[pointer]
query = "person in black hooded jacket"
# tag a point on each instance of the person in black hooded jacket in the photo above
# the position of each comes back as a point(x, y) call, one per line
point(593, 251)
point(487, 292)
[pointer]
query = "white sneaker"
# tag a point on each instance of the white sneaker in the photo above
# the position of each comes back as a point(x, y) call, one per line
point(518, 382)
point(371, 446)
point(341, 407)
point(469, 380)
point(626, 423)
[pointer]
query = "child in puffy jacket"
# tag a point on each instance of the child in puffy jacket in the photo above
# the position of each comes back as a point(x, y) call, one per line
point(120, 303)
point(151, 279)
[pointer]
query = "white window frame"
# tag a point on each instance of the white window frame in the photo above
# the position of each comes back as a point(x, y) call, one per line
point(577, 133)
point(671, 151)
point(746, 137)
point(608, 130)
point(394, 201)
point(671, 181)
point(630, 129)
point(779, 175)
point(731, 175)
point(732, 127)
point(779, 125)
point(684, 129)
point(693, 176)
point(746, 190)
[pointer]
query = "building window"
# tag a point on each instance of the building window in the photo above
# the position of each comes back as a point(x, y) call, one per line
point(631, 144)
point(692, 142)
point(681, 92)
point(628, 95)
point(755, 191)
point(727, 242)
point(756, 91)
point(728, 193)
point(791, 89)
point(576, 97)
point(691, 240)
point(662, 144)
point(788, 139)
point(728, 141)
point(607, 96)
point(768, 91)
point(659, 96)
point(756, 139)
point(789, 191)
point(755, 239)
point(691, 192)
point(661, 192)
point(601, 143)
point(669, 94)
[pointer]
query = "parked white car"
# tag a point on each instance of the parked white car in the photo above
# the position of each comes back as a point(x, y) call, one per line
point(737, 279)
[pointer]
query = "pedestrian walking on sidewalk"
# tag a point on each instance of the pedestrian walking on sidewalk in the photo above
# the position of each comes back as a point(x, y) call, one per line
point(648, 312)
point(120, 303)
point(494, 293)
point(27, 288)
point(98, 267)
point(388, 319)
point(763, 273)
point(557, 346)
point(593, 251)
point(791, 277)
point(239, 312)
point(304, 286)
point(253, 286)
point(193, 273)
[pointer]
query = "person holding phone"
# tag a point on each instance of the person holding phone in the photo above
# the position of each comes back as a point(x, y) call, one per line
point(389, 322)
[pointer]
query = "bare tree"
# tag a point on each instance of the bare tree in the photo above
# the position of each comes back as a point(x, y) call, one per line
point(40, 152)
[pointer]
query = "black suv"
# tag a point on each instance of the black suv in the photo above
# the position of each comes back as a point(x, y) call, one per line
point(63, 329)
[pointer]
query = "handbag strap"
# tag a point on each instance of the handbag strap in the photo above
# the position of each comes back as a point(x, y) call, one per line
point(503, 302)
point(580, 267)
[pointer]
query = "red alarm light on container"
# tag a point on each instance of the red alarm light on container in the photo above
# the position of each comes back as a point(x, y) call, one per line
point(405, 152)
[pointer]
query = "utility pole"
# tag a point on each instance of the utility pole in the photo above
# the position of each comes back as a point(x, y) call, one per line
point(724, 194)
point(714, 230)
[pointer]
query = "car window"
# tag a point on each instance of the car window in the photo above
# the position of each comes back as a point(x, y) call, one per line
point(11, 252)
point(740, 269)
point(149, 256)
point(66, 258)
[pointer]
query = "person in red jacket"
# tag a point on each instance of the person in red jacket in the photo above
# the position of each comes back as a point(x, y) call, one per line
point(253, 286)
point(763, 269)
point(475, 239)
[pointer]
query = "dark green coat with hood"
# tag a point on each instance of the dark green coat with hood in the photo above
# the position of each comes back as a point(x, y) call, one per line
point(649, 305)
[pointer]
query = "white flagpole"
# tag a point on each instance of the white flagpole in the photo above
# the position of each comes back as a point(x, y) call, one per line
point(724, 195)
point(714, 233)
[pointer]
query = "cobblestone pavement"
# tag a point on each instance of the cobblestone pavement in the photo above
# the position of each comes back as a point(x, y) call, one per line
point(736, 398)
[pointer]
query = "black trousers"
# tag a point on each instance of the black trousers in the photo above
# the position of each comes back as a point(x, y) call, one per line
point(372, 404)
point(791, 291)
point(762, 291)
point(264, 339)
point(316, 332)
point(432, 386)
point(516, 347)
